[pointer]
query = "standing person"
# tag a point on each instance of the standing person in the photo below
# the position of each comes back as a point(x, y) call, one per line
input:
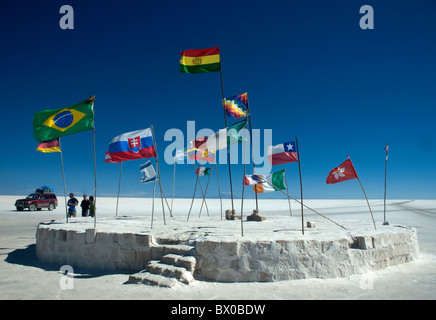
point(85, 205)
point(92, 207)
point(72, 203)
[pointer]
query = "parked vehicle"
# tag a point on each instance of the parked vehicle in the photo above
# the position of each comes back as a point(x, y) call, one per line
point(37, 201)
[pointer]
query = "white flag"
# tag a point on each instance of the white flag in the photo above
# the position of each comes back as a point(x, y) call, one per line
point(148, 173)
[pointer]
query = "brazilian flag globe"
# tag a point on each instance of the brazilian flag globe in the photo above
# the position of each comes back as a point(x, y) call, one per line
point(55, 123)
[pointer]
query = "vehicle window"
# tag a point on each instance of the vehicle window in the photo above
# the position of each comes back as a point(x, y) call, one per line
point(33, 196)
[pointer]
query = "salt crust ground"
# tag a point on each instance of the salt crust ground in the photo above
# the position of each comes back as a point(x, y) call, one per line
point(415, 280)
point(278, 225)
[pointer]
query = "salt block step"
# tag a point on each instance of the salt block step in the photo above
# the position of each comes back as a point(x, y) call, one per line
point(171, 271)
point(180, 249)
point(187, 262)
point(152, 279)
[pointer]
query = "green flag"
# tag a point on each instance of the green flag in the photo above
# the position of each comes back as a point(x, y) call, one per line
point(226, 137)
point(55, 123)
point(274, 182)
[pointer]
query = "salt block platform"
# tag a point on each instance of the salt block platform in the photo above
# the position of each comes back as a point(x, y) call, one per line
point(214, 249)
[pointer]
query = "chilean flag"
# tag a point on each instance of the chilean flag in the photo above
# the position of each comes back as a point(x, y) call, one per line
point(282, 153)
point(132, 145)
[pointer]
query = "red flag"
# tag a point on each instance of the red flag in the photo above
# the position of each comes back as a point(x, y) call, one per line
point(345, 171)
point(199, 143)
point(108, 159)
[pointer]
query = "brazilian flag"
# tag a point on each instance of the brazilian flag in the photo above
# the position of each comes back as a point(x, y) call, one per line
point(54, 123)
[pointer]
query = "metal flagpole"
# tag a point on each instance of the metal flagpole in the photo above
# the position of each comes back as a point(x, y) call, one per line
point(227, 148)
point(384, 202)
point(301, 185)
point(302, 203)
point(63, 177)
point(158, 170)
point(287, 190)
point(119, 187)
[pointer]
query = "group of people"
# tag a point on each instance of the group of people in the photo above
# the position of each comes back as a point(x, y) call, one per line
point(87, 205)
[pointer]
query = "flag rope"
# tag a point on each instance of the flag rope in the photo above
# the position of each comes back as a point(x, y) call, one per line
point(303, 204)
point(204, 197)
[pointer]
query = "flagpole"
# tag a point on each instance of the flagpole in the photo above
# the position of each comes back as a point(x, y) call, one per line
point(168, 206)
point(227, 148)
point(219, 190)
point(364, 193)
point(367, 203)
point(242, 206)
point(95, 177)
point(302, 203)
point(202, 193)
point(152, 205)
point(193, 196)
point(243, 185)
point(384, 201)
point(119, 187)
point(204, 196)
point(301, 185)
point(287, 190)
point(158, 170)
point(63, 177)
point(251, 142)
point(174, 179)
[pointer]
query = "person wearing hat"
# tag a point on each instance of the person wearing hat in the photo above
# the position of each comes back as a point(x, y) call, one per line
point(72, 203)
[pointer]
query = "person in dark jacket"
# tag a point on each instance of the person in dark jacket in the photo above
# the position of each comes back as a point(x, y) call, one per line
point(85, 205)
point(72, 203)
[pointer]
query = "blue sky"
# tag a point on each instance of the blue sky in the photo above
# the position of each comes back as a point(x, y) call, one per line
point(309, 69)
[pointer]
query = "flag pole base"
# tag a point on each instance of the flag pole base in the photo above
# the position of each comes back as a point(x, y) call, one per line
point(230, 215)
point(256, 216)
point(385, 223)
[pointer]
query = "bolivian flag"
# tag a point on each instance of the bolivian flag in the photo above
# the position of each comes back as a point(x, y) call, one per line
point(55, 123)
point(200, 60)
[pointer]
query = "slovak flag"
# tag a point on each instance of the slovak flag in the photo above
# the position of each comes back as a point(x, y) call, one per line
point(282, 153)
point(132, 145)
point(345, 171)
